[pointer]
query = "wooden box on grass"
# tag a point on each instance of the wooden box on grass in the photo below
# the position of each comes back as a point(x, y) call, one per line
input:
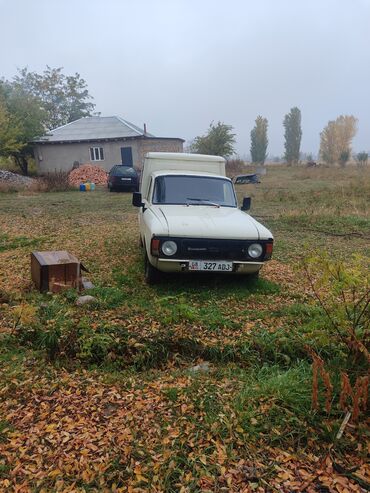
point(55, 271)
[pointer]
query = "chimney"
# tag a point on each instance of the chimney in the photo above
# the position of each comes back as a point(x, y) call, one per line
point(144, 128)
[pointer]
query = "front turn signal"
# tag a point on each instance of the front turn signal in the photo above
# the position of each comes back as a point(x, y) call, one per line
point(154, 247)
point(268, 250)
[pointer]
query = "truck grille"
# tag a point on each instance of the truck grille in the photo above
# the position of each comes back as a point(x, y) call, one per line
point(212, 249)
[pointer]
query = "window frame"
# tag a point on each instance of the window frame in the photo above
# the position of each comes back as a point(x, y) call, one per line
point(96, 151)
point(224, 179)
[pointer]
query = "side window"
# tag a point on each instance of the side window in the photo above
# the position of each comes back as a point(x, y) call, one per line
point(159, 190)
point(228, 197)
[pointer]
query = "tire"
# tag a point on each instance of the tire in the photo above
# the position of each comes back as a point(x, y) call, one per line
point(152, 275)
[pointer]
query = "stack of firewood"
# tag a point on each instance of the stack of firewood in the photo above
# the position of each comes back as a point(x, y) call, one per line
point(88, 173)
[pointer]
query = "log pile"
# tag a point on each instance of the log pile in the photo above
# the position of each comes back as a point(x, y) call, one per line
point(86, 173)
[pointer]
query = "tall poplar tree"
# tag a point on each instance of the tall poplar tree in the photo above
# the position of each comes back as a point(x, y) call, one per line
point(259, 140)
point(293, 135)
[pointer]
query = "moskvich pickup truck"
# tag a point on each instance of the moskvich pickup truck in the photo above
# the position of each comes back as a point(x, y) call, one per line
point(189, 219)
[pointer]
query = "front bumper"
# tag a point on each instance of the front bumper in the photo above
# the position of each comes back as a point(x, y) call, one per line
point(177, 265)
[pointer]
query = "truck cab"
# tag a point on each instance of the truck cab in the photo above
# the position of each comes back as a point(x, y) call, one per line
point(189, 219)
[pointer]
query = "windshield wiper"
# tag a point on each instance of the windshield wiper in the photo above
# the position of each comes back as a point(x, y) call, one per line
point(202, 202)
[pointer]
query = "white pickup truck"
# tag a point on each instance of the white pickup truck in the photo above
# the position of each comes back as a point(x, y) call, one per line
point(189, 219)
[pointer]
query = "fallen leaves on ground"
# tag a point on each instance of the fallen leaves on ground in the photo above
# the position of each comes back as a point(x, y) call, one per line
point(66, 431)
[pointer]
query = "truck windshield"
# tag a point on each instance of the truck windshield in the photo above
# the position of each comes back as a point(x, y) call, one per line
point(193, 190)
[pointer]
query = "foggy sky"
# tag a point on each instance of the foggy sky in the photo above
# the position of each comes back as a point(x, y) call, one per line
point(180, 64)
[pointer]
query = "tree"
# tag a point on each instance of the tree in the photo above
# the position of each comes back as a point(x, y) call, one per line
point(9, 131)
point(64, 98)
point(293, 135)
point(22, 119)
point(362, 158)
point(344, 157)
point(328, 144)
point(259, 140)
point(336, 139)
point(32, 103)
point(218, 141)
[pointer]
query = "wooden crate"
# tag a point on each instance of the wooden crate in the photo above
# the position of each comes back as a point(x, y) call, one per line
point(55, 271)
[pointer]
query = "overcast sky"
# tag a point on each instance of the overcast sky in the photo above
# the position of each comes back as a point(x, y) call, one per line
point(180, 64)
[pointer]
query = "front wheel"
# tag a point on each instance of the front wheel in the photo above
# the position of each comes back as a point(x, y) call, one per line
point(152, 275)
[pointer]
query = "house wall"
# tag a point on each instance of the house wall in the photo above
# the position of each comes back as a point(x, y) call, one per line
point(157, 145)
point(56, 157)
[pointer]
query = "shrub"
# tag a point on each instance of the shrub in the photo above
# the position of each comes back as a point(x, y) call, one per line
point(235, 167)
point(344, 157)
point(362, 158)
point(95, 346)
point(56, 181)
point(343, 291)
point(10, 187)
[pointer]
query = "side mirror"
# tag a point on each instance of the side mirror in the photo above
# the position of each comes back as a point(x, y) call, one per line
point(246, 204)
point(136, 199)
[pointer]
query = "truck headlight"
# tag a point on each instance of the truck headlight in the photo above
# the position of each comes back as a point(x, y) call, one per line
point(255, 250)
point(169, 248)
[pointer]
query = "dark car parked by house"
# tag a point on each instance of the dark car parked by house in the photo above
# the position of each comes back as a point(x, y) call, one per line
point(122, 178)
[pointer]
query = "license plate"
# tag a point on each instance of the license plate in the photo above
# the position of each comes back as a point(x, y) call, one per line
point(210, 266)
point(126, 179)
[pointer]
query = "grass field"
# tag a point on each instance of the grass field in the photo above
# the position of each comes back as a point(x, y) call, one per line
point(103, 397)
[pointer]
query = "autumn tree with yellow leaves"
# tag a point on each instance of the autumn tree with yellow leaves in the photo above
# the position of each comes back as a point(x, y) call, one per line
point(336, 139)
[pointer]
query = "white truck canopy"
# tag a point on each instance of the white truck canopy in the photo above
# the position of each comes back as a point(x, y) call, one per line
point(186, 163)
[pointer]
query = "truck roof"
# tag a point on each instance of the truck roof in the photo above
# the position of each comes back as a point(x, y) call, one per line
point(188, 173)
point(182, 156)
point(179, 163)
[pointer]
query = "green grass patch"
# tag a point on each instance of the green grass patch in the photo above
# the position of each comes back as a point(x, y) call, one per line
point(276, 402)
point(12, 243)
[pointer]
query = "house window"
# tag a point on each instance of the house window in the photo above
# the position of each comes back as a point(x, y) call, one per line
point(96, 154)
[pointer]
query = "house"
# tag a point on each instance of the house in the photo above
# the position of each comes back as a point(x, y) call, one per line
point(101, 140)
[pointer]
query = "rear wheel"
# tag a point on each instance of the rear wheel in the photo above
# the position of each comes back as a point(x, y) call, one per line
point(152, 275)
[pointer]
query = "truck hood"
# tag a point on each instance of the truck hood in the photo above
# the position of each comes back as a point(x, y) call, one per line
point(209, 222)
